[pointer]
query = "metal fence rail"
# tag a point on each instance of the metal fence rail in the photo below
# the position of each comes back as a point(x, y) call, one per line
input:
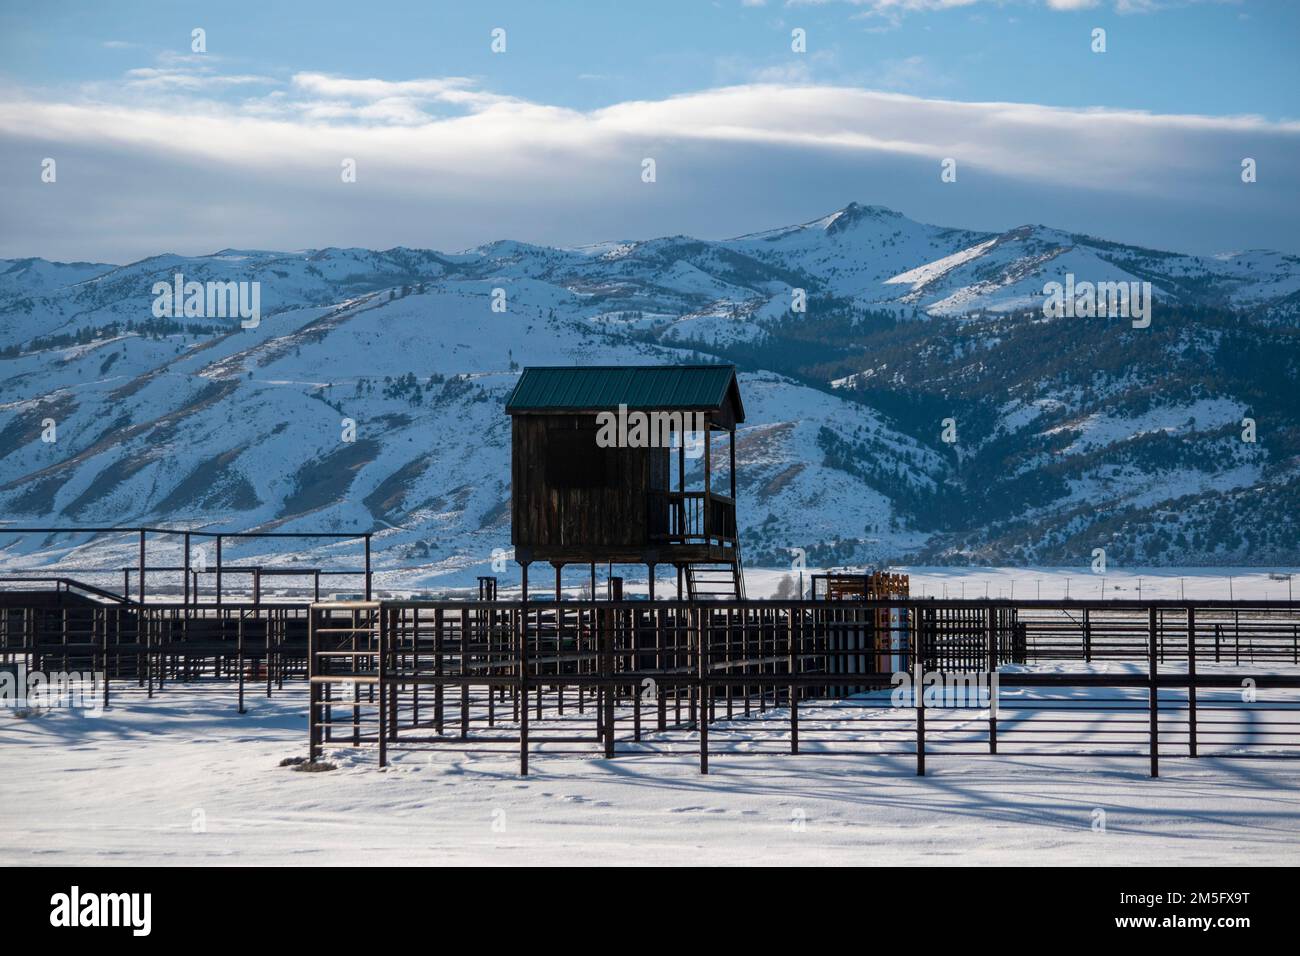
point(611, 677)
point(154, 644)
point(724, 678)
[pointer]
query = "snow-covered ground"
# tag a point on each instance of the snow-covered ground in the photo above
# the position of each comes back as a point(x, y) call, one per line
point(1253, 584)
point(184, 779)
point(1080, 583)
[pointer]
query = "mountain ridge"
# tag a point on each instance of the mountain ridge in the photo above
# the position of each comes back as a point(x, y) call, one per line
point(1070, 432)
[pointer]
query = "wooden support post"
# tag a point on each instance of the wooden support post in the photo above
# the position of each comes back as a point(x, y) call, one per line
point(185, 583)
point(368, 573)
point(141, 565)
point(218, 570)
point(708, 467)
point(681, 468)
point(733, 465)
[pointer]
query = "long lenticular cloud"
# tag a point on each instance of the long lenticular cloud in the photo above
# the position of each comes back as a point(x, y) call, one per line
point(432, 139)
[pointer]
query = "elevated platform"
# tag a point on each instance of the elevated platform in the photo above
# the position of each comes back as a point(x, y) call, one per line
point(674, 554)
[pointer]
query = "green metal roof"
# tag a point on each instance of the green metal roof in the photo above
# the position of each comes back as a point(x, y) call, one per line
point(596, 388)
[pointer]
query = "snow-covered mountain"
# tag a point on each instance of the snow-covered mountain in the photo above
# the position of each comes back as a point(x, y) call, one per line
point(1071, 433)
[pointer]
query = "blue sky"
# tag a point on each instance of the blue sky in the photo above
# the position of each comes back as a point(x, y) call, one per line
point(161, 149)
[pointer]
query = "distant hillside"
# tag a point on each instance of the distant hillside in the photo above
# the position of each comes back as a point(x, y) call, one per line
point(1071, 433)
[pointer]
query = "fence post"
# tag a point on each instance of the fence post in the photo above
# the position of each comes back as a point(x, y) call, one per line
point(239, 655)
point(607, 673)
point(634, 664)
point(1191, 682)
point(355, 660)
point(464, 673)
point(104, 637)
point(703, 718)
point(438, 691)
point(380, 626)
point(313, 692)
point(1153, 652)
point(918, 702)
point(661, 698)
point(792, 646)
point(522, 657)
point(1087, 636)
point(395, 664)
point(993, 669)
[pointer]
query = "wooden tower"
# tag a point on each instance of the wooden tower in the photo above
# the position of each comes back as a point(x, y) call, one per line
point(601, 461)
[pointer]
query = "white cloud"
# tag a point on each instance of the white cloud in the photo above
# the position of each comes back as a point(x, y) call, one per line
point(161, 79)
point(324, 84)
point(1097, 147)
point(447, 142)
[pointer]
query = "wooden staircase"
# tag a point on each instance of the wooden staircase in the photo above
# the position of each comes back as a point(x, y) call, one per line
point(717, 580)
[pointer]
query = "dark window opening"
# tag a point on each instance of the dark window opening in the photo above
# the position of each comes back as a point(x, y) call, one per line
point(574, 460)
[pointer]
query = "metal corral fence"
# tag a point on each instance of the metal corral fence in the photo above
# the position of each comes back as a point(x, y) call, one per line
point(751, 677)
point(1225, 632)
point(150, 645)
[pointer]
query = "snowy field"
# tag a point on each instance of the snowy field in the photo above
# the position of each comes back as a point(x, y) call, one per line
point(1049, 583)
point(1255, 584)
point(1249, 584)
point(184, 779)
